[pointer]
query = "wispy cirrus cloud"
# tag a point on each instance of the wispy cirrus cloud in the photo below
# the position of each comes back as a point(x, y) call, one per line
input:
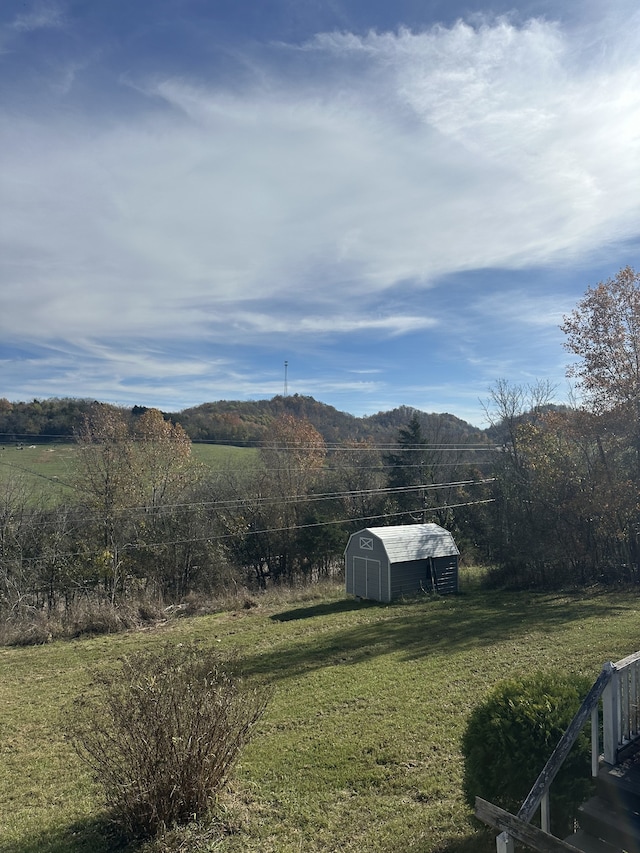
point(321, 191)
point(522, 309)
point(450, 150)
point(332, 324)
point(39, 16)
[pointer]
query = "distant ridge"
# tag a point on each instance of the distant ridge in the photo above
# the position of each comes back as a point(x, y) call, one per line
point(248, 421)
point(241, 422)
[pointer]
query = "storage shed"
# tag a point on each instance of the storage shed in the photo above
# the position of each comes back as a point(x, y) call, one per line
point(383, 563)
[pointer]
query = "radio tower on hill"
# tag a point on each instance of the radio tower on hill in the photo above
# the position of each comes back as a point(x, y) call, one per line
point(286, 387)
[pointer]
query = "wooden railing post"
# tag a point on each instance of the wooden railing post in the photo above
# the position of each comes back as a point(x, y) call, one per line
point(513, 829)
point(611, 718)
point(545, 814)
point(595, 742)
point(504, 843)
point(634, 693)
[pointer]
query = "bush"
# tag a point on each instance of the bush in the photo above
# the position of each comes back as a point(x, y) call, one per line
point(93, 618)
point(510, 736)
point(27, 626)
point(161, 733)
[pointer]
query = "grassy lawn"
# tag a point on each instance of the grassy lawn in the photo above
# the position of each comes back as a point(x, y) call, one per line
point(359, 748)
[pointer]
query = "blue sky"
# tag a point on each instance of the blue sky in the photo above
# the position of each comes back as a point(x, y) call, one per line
point(401, 200)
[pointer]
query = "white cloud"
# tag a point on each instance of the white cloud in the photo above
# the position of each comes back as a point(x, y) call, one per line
point(410, 156)
point(519, 309)
point(324, 324)
point(41, 16)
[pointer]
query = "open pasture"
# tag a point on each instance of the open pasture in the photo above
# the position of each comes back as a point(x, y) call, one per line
point(359, 749)
point(218, 456)
point(43, 470)
point(46, 471)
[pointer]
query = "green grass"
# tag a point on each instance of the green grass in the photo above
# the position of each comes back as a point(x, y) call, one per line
point(359, 749)
point(221, 455)
point(47, 470)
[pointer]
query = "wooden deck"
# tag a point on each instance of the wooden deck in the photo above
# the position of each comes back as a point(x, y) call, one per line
point(610, 821)
point(612, 817)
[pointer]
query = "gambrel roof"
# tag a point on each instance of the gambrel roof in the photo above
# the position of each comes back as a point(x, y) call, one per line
point(404, 542)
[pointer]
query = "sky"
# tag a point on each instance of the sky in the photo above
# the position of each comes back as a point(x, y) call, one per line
point(398, 200)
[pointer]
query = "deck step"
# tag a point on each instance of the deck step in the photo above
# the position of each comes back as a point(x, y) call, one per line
point(620, 784)
point(620, 829)
point(588, 844)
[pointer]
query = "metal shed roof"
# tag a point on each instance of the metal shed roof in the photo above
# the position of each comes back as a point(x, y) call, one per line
point(404, 542)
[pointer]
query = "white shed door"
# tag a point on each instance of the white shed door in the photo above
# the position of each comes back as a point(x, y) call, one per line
point(366, 578)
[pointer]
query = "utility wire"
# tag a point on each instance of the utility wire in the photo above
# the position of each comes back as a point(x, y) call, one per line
point(263, 501)
point(257, 444)
point(249, 532)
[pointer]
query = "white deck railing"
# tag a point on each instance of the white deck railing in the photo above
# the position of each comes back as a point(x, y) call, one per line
point(619, 686)
point(621, 708)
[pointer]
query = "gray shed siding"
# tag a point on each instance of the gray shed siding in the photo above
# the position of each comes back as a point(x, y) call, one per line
point(383, 563)
point(446, 571)
point(409, 577)
point(368, 558)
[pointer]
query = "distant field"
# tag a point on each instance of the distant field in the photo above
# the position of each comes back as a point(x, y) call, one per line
point(219, 455)
point(44, 469)
point(47, 469)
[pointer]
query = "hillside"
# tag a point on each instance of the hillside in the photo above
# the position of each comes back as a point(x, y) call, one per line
point(246, 422)
point(241, 422)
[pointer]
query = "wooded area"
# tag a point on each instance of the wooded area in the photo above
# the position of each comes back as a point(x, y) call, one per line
point(547, 496)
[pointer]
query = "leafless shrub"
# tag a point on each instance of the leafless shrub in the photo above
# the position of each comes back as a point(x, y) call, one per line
point(91, 617)
point(149, 612)
point(97, 617)
point(27, 626)
point(162, 732)
point(235, 598)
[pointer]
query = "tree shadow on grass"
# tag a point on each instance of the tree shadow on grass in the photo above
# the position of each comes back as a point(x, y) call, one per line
point(421, 628)
point(343, 605)
point(480, 840)
point(101, 835)
point(85, 836)
point(483, 841)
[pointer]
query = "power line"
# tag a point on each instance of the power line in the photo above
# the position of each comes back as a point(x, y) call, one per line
point(33, 473)
point(253, 444)
point(260, 501)
point(249, 532)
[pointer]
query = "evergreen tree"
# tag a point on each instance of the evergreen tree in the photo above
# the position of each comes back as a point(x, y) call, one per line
point(410, 467)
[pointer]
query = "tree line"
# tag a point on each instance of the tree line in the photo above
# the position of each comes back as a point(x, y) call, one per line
point(145, 519)
point(241, 423)
point(567, 500)
point(551, 500)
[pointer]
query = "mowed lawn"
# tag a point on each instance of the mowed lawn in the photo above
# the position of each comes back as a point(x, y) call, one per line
point(359, 749)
